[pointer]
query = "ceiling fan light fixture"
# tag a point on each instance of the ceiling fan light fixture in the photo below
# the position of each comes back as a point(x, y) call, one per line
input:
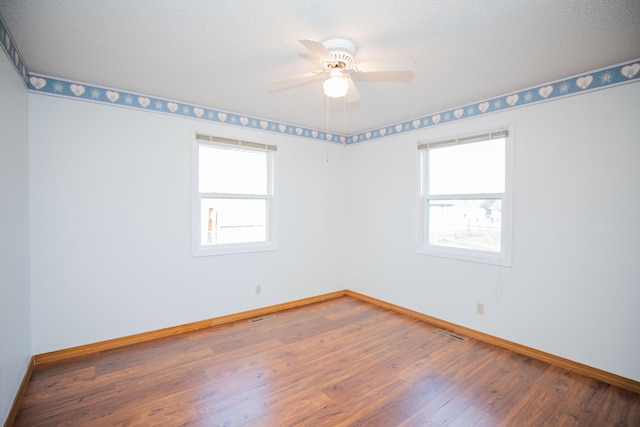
point(336, 86)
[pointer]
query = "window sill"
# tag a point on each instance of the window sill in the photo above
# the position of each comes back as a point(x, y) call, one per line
point(470, 255)
point(200, 251)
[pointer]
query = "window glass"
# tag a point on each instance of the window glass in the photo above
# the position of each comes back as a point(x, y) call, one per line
point(473, 168)
point(469, 224)
point(227, 221)
point(232, 171)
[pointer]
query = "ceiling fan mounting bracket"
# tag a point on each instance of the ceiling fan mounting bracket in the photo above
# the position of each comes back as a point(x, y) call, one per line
point(342, 50)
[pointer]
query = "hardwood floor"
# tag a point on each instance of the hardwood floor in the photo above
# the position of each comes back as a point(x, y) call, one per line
point(342, 362)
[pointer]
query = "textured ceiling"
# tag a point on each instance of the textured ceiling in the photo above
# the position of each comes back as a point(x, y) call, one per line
point(223, 54)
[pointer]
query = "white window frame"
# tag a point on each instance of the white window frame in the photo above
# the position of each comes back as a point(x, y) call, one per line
point(271, 243)
point(502, 258)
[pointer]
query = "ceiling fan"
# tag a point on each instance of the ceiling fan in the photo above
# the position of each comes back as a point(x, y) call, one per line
point(337, 59)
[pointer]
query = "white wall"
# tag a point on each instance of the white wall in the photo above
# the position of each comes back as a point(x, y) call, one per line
point(574, 285)
point(110, 229)
point(110, 225)
point(15, 329)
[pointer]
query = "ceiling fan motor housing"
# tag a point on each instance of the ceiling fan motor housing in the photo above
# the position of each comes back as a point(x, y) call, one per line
point(342, 50)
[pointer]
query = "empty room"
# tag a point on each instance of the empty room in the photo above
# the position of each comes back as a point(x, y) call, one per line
point(319, 213)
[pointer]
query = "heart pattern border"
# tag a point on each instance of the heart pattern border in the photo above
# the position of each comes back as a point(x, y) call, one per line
point(583, 83)
point(586, 82)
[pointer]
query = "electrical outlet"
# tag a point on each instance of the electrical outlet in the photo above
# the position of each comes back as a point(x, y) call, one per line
point(258, 289)
point(480, 309)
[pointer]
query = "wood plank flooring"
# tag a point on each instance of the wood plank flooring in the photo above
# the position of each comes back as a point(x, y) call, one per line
point(342, 362)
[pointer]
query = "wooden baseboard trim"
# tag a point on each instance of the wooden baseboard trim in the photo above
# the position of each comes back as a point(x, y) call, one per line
point(15, 407)
point(569, 365)
point(89, 349)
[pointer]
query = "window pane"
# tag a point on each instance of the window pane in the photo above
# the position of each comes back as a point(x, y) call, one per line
point(226, 221)
point(232, 171)
point(473, 168)
point(466, 224)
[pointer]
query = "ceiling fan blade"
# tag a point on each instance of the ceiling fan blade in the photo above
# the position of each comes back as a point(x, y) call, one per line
point(299, 76)
point(352, 93)
point(382, 66)
point(318, 49)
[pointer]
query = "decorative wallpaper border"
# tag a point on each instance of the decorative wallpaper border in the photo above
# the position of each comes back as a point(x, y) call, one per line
point(12, 52)
point(82, 91)
point(583, 83)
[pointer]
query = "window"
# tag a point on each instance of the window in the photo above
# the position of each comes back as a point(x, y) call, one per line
point(234, 205)
point(464, 198)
